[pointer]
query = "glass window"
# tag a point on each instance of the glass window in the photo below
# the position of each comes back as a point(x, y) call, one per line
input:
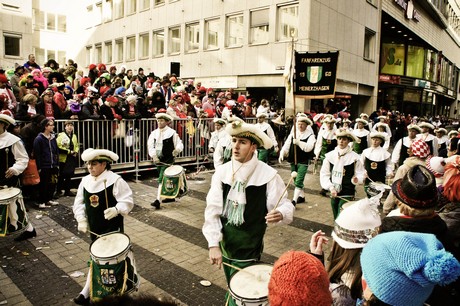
point(88, 56)
point(12, 44)
point(158, 44)
point(61, 58)
point(107, 11)
point(159, 2)
point(131, 48)
point(235, 30)
point(288, 21)
point(62, 23)
point(393, 59)
point(192, 32)
point(415, 61)
point(119, 50)
point(259, 26)
point(98, 54)
point(51, 22)
point(144, 45)
point(98, 13)
point(131, 6)
point(174, 41)
point(39, 20)
point(118, 8)
point(369, 43)
point(108, 52)
point(144, 4)
point(212, 34)
point(430, 65)
point(39, 55)
point(89, 10)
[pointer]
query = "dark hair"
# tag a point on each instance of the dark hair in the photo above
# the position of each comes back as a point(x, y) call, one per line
point(44, 123)
point(133, 300)
point(454, 145)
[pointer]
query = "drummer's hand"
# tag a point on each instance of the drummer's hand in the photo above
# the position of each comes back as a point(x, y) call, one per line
point(110, 213)
point(156, 160)
point(354, 180)
point(391, 175)
point(83, 226)
point(333, 193)
point(215, 256)
point(316, 242)
point(274, 216)
point(9, 173)
point(175, 152)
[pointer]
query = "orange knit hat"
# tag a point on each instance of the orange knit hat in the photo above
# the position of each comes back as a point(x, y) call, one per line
point(299, 279)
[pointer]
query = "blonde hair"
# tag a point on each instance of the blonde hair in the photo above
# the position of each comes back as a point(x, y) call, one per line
point(29, 98)
point(414, 212)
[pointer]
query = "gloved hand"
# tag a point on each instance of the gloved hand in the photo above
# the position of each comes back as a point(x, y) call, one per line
point(156, 160)
point(277, 149)
point(83, 226)
point(110, 213)
point(175, 152)
point(296, 141)
point(281, 158)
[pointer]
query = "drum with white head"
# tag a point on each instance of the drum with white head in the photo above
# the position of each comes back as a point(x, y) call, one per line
point(110, 248)
point(174, 182)
point(249, 286)
point(13, 215)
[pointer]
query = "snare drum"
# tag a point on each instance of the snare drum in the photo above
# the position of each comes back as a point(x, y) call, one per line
point(174, 182)
point(13, 215)
point(113, 268)
point(250, 285)
point(376, 188)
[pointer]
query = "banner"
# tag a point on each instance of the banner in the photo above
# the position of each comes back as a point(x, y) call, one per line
point(315, 74)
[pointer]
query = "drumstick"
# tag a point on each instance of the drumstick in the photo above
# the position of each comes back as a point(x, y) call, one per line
point(94, 234)
point(106, 198)
point(237, 268)
point(6, 151)
point(342, 198)
point(293, 175)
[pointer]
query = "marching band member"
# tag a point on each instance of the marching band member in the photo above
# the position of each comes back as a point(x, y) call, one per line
point(363, 135)
point(382, 119)
point(219, 132)
point(443, 140)
point(103, 199)
point(341, 171)
point(326, 141)
point(264, 126)
point(223, 151)
point(401, 151)
point(164, 144)
point(242, 199)
point(365, 117)
point(383, 128)
point(303, 143)
point(429, 138)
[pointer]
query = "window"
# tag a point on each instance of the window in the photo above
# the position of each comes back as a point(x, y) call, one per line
point(159, 2)
point(90, 13)
point(144, 4)
point(119, 50)
point(259, 26)
point(88, 55)
point(212, 34)
point(431, 60)
point(131, 7)
point(98, 14)
point(235, 30)
point(174, 40)
point(98, 54)
point(395, 59)
point(61, 58)
point(144, 45)
point(108, 52)
point(158, 44)
point(39, 20)
point(12, 44)
point(62, 23)
point(192, 32)
point(131, 48)
point(51, 22)
point(118, 8)
point(51, 54)
point(288, 21)
point(107, 11)
point(369, 43)
point(39, 55)
point(415, 61)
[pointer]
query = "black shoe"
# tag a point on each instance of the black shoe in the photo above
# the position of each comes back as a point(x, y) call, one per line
point(323, 192)
point(300, 200)
point(26, 235)
point(169, 200)
point(156, 204)
point(70, 193)
point(81, 300)
point(293, 203)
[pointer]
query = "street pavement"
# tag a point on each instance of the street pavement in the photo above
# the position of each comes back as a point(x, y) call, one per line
point(169, 248)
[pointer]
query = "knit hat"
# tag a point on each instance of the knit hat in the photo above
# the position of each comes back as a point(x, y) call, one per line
point(249, 131)
point(417, 188)
point(402, 268)
point(241, 99)
point(92, 66)
point(420, 149)
point(3, 78)
point(99, 154)
point(299, 279)
point(414, 127)
point(357, 224)
point(362, 121)
point(304, 118)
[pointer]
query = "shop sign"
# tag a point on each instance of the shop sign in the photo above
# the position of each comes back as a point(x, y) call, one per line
point(422, 83)
point(408, 7)
point(315, 74)
point(392, 79)
point(220, 82)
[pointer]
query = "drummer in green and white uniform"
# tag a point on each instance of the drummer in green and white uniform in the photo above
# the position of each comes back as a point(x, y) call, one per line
point(303, 143)
point(376, 161)
point(264, 126)
point(326, 141)
point(363, 135)
point(164, 144)
point(241, 201)
point(341, 171)
point(103, 199)
point(443, 141)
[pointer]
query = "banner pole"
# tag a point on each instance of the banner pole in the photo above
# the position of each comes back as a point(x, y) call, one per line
point(293, 96)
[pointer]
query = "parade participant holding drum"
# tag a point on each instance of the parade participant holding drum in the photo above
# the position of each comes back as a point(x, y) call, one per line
point(102, 199)
point(242, 199)
point(13, 161)
point(164, 144)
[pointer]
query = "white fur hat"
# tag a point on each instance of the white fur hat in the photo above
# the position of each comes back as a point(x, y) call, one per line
point(249, 131)
point(98, 154)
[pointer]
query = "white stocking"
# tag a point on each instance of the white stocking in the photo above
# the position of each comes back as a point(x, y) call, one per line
point(85, 290)
point(159, 192)
point(297, 192)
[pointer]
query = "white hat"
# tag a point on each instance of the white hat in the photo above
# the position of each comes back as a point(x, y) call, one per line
point(98, 154)
point(414, 127)
point(93, 89)
point(347, 133)
point(261, 114)
point(382, 117)
point(329, 119)
point(364, 115)
point(378, 135)
point(346, 120)
point(441, 130)
point(131, 98)
point(453, 132)
point(220, 121)
point(362, 121)
point(379, 124)
point(250, 131)
point(7, 119)
point(357, 224)
point(426, 124)
point(161, 114)
point(304, 118)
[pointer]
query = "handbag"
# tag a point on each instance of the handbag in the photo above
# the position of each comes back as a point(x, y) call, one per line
point(30, 176)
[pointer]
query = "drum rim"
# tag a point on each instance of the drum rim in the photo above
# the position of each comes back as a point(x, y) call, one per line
point(248, 298)
point(128, 247)
point(12, 197)
point(175, 174)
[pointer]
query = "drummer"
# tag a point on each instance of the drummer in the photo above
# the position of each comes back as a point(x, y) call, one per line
point(164, 144)
point(264, 126)
point(13, 152)
point(103, 199)
point(236, 216)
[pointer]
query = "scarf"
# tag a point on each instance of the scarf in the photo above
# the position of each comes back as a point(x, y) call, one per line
point(337, 170)
point(49, 112)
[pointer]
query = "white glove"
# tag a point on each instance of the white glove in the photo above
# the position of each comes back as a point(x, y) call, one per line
point(296, 141)
point(175, 152)
point(110, 213)
point(156, 160)
point(281, 158)
point(277, 149)
point(83, 226)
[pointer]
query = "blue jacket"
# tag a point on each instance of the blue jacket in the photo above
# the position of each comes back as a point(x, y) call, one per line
point(46, 152)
